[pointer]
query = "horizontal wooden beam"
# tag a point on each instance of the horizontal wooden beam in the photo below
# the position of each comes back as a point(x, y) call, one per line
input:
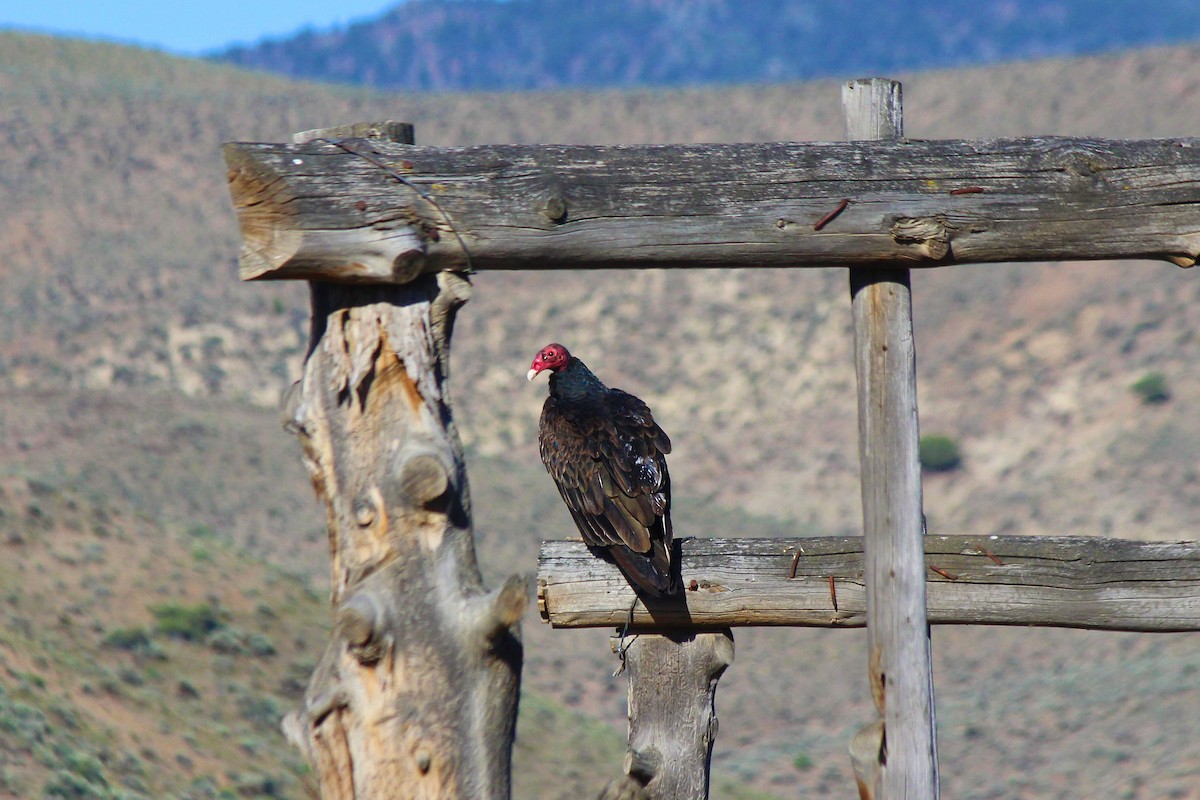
point(1056, 581)
point(375, 211)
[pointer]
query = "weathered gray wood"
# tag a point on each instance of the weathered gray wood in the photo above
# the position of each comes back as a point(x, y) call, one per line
point(416, 693)
point(900, 664)
point(866, 758)
point(672, 713)
point(317, 211)
point(1051, 581)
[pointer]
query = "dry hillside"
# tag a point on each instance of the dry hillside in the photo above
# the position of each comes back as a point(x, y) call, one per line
point(134, 366)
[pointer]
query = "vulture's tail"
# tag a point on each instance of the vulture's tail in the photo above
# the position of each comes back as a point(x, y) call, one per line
point(652, 574)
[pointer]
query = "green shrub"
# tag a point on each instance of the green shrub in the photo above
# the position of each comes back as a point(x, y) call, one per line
point(80, 777)
point(11, 783)
point(263, 711)
point(261, 646)
point(191, 623)
point(939, 453)
point(201, 532)
point(137, 640)
point(85, 766)
point(69, 786)
point(237, 642)
point(131, 676)
point(128, 638)
point(21, 725)
point(1152, 388)
point(254, 785)
point(230, 641)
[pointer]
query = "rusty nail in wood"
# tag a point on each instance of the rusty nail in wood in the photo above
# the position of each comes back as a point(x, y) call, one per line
point(995, 558)
point(950, 576)
point(832, 215)
point(795, 562)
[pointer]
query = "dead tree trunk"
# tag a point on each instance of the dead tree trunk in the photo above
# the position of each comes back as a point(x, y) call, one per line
point(672, 708)
point(416, 694)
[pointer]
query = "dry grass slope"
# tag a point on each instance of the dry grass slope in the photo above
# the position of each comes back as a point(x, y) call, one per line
point(134, 368)
point(98, 699)
point(141, 661)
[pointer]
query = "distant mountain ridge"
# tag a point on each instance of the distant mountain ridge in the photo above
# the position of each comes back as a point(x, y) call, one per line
point(541, 44)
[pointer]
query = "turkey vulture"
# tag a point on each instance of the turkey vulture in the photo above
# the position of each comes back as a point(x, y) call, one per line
point(608, 459)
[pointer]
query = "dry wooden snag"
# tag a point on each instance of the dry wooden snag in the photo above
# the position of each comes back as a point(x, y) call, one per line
point(673, 677)
point(416, 693)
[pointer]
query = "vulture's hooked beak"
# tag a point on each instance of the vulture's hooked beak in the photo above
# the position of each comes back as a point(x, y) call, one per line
point(533, 373)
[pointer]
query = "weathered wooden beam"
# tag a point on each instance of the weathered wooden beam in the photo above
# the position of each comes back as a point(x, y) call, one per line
point(350, 209)
point(899, 661)
point(817, 582)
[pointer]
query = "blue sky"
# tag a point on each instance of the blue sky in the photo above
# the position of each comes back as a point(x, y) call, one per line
point(187, 27)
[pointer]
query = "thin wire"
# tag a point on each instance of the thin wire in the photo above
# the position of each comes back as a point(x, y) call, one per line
point(621, 645)
point(424, 195)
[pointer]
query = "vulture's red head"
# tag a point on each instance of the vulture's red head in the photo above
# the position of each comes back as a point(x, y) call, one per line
point(552, 357)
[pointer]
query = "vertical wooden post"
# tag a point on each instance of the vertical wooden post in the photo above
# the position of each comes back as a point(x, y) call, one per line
point(899, 660)
point(416, 693)
point(672, 713)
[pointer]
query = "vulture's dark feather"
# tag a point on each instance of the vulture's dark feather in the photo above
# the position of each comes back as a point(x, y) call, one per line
point(607, 456)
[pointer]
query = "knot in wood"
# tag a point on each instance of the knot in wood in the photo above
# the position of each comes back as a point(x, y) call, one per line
point(1078, 161)
point(423, 478)
point(364, 510)
point(929, 235)
point(555, 209)
point(359, 622)
point(642, 765)
point(407, 265)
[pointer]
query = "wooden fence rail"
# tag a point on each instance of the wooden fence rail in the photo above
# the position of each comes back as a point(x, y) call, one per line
point(382, 212)
point(818, 582)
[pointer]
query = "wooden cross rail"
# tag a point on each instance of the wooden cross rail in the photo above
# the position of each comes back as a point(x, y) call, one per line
point(1054, 581)
point(382, 212)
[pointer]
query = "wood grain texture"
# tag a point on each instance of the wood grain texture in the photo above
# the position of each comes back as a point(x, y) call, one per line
point(316, 211)
point(1048, 581)
point(899, 661)
point(416, 693)
point(672, 707)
